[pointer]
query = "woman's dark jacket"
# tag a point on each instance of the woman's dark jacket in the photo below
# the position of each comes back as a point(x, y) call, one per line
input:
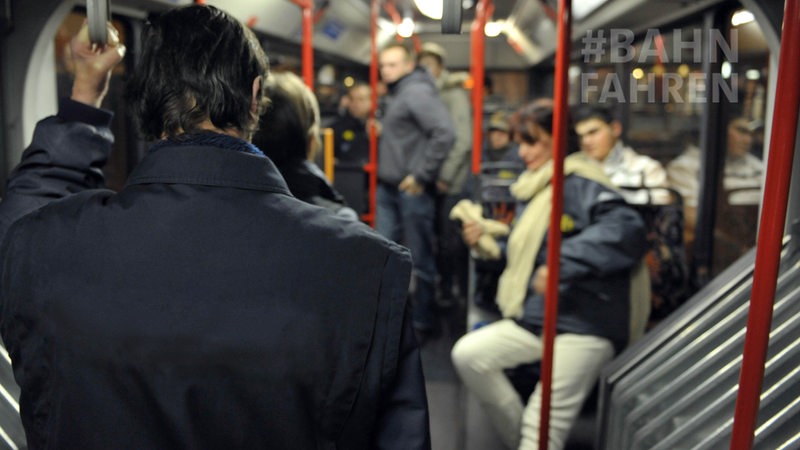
point(602, 240)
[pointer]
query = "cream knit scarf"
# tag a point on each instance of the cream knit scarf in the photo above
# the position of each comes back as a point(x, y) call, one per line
point(529, 230)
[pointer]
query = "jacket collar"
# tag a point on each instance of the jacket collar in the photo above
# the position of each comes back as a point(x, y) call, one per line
point(208, 166)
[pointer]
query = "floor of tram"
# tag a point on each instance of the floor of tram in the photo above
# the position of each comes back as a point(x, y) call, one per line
point(457, 420)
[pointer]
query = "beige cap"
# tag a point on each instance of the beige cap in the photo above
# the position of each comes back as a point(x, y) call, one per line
point(499, 121)
point(432, 48)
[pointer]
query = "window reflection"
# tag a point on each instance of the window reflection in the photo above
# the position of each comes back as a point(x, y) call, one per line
point(661, 91)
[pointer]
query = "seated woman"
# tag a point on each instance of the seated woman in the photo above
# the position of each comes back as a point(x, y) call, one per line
point(289, 135)
point(603, 295)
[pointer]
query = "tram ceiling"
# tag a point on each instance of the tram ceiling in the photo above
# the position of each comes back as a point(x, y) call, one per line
point(527, 39)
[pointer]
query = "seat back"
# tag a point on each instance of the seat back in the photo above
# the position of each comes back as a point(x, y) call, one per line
point(662, 212)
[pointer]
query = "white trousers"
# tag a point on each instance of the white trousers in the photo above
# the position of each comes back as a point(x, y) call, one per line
point(481, 355)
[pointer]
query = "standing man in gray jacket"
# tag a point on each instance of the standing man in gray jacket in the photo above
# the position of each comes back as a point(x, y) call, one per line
point(416, 136)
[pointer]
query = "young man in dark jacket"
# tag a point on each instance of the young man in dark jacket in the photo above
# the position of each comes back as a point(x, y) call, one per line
point(181, 311)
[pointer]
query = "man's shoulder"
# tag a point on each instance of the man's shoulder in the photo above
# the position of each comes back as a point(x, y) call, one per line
point(63, 209)
point(37, 226)
point(641, 159)
point(327, 230)
point(344, 121)
point(578, 186)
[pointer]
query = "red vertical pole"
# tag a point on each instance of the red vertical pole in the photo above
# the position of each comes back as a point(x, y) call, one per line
point(477, 70)
point(307, 51)
point(770, 231)
point(372, 166)
point(308, 44)
point(554, 233)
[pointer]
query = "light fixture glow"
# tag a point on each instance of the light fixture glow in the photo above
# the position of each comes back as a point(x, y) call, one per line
point(430, 8)
point(585, 7)
point(493, 29)
point(726, 70)
point(637, 73)
point(752, 74)
point(741, 17)
point(405, 28)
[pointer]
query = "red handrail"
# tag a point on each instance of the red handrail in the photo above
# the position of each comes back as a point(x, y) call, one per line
point(770, 231)
point(307, 7)
point(477, 72)
point(372, 166)
point(554, 233)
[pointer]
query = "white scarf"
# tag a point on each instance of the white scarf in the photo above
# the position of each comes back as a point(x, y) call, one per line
point(530, 228)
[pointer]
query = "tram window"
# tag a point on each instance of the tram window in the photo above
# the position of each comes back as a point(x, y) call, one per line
point(656, 81)
point(742, 137)
point(126, 150)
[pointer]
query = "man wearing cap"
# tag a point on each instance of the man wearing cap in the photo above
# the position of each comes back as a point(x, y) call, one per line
point(499, 146)
point(416, 136)
point(452, 257)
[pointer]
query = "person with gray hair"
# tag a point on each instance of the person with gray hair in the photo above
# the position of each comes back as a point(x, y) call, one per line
point(290, 136)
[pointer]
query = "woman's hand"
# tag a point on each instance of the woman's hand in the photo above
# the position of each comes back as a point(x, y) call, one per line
point(471, 232)
point(540, 280)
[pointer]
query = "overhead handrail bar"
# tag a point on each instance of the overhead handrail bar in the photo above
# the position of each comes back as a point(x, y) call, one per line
point(559, 133)
point(770, 230)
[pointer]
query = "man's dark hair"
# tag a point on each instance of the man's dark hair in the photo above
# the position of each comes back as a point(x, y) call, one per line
point(586, 112)
point(197, 63)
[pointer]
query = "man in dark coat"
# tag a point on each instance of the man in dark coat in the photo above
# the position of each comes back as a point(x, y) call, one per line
point(202, 306)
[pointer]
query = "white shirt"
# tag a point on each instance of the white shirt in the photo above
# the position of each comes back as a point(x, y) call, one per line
point(630, 170)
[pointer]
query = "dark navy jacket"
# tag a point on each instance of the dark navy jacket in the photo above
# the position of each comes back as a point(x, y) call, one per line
point(602, 240)
point(205, 307)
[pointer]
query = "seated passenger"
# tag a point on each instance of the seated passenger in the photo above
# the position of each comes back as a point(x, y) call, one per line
point(500, 166)
point(499, 146)
point(289, 135)
point(181, 311)
point(639, 177)
point(603, 295)
point(741, 188)
point(599, 133)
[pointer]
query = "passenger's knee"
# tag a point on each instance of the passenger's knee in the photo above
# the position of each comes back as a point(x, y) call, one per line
point(460, 354)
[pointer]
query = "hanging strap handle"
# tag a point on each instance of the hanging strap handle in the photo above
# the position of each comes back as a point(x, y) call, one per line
point(98, 14)
point(451, 17)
